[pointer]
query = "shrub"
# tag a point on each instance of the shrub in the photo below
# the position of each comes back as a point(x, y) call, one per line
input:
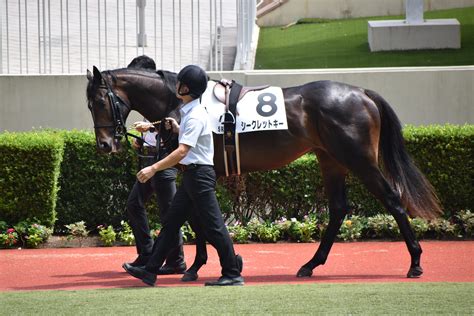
point(107, 235)
point(94, 187)
point(77, 231)
point(264, 232)
point(155, 229)
point(466, 218)
point(283, 226)
point(3, 226)
point(444, 154)
point(295, 230)
point(351, 228)
point(8, 238)
point(419, 226)
point(188, 233)
point(322, 221)
point(252, 226)
point(29, 170)
point(382, 226)
point(238, 233)
point(125, 235)
point(267, 232)
point(31, 233)
point(441, 228)
point(291, 192)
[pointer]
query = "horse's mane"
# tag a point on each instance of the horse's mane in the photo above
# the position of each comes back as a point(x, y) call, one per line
point(169, 78)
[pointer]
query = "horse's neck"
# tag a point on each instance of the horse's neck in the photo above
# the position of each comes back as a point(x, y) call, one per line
point(150, 99)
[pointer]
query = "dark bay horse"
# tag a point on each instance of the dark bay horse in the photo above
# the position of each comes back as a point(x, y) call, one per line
point(345, 126)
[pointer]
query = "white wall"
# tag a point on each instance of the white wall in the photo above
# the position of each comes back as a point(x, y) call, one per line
point(43, 101)
point(293, 10)
point(420, 96)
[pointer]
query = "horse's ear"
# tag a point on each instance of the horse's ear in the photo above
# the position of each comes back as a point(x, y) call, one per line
point(89, 75)
point(97, 74)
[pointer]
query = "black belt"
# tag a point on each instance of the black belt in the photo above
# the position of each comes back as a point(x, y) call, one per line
point(191, 166)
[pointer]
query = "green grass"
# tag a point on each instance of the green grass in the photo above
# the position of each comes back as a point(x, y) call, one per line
point(344, 44)
point(374, 299)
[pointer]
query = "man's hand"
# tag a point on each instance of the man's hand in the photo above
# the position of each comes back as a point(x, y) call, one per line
point(145, 174)
point(142, 127)
point(171, 123)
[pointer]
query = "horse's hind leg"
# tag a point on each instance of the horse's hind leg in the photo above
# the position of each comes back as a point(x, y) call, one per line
point(377, 184)
point(334, 176)
point(201, 252)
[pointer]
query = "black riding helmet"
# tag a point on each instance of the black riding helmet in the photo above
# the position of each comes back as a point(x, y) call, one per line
point(195, 79)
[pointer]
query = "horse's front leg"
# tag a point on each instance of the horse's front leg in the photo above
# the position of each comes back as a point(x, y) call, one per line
point(334, 183)
point(321, 255)
point(201, 253)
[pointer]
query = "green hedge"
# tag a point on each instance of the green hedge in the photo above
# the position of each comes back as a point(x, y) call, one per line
point(446, 156)
point(29, 170)
point(94, 187)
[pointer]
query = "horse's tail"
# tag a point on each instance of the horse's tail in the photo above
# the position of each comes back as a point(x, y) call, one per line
point(417, 194)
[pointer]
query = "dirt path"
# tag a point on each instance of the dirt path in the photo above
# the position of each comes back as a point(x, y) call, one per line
point(91, 268)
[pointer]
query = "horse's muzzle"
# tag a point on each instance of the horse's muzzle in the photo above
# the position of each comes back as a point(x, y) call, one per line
point(108, 147)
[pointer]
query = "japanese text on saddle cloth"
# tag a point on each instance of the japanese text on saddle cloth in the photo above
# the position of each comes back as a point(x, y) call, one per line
point(234, 109)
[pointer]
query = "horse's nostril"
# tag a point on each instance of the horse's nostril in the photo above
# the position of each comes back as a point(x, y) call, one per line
point(104, 145)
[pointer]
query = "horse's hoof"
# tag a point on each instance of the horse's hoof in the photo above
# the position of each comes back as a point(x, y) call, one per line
point(304, 272)
point(415, 272)
point(189, 276)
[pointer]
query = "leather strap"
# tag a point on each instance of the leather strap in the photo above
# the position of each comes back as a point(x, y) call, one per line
point(231, 152)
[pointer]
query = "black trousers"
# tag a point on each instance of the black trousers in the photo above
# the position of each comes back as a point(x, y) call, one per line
point(196, 194)
point(163, 184)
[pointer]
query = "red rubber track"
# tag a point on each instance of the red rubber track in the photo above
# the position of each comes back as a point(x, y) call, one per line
point(92, 268)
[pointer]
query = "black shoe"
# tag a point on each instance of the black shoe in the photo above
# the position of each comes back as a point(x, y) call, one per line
point(126, 266)
point(240, 262)
point(141, 261)
point(167, 269)
point(189, 276)
point(140, 273)
point(226, 281)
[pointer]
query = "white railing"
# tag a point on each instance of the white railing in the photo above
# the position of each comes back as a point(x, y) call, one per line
point(68, 36)
point(246, 17)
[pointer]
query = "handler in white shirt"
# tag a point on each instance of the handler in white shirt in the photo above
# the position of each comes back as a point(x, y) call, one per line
point(197, 190)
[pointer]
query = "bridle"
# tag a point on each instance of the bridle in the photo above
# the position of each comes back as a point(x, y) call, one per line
point(118, 121)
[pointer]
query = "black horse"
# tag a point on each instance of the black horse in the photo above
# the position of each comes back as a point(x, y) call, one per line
point(345, 126)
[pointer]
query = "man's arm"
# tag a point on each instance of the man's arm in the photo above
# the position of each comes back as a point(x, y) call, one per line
point(169, 161)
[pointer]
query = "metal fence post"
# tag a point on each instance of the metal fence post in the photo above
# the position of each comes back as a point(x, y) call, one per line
point(141, 36)
point(1, 42)
point(63, 36)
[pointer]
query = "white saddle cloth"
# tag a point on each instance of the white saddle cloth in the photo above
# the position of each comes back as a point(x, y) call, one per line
point(261, 110)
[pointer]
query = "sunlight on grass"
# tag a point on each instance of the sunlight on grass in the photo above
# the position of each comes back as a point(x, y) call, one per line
point(372, 299)
point(343, 44)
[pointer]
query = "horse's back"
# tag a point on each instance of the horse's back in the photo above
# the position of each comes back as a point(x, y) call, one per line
point(332, 113)
point(326, 95)
point(323, 89)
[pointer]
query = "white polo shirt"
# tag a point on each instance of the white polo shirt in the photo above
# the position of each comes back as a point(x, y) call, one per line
point(195, 131)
